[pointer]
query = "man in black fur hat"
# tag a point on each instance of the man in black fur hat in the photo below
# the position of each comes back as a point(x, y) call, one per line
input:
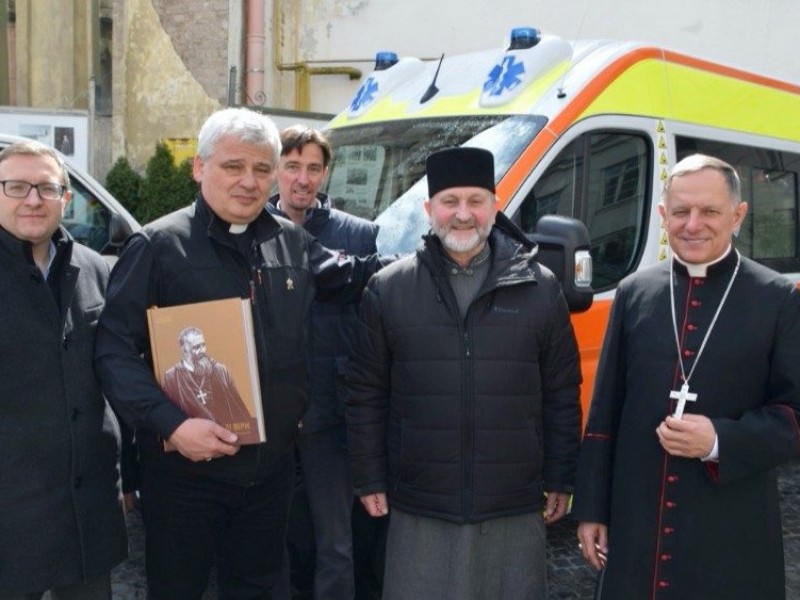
point(463, 412)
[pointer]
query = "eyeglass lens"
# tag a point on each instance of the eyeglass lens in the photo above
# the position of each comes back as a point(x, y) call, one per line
point(21, 189)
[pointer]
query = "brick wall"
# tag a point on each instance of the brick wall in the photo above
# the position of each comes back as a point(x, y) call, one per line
point(199, 32)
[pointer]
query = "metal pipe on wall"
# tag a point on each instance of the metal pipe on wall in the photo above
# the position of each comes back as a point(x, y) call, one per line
point(303, 70)
point(254, 52)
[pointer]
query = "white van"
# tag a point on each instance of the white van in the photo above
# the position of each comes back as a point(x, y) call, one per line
point(585, 129)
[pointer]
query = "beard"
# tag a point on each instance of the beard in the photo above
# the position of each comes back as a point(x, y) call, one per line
point(451, 240)
point(202, 366)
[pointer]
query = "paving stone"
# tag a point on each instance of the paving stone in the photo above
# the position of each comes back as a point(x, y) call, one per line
point(569, 578)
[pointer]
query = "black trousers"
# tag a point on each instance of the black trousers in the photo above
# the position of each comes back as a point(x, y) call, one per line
point(193, 523)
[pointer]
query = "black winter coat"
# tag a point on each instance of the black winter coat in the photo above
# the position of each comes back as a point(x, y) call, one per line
point(465, 419)
point(332, 324)
point(187, 257)
point(61, 520)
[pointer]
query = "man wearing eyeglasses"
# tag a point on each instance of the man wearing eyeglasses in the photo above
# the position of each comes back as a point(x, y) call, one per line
point(61, 527)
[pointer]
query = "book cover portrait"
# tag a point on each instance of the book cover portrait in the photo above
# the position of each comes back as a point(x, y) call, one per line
point(204, 359)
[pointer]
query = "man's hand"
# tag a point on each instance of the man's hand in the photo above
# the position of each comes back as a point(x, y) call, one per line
point(376, 504)
point(593, 542)
point(556, 506)
point(202, 439)
point(690, 437)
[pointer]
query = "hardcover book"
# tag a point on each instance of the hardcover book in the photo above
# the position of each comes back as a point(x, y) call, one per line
point(204, 357)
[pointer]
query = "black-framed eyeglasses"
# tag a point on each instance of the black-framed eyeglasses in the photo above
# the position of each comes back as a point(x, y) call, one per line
point(21, 189)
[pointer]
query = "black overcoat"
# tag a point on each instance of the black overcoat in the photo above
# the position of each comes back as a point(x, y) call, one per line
point(681, 528)
point(60, 517)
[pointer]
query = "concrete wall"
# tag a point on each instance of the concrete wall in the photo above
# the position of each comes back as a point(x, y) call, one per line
point(199, 35)
point(155, 95)
point(757, 35)
point(172, 58)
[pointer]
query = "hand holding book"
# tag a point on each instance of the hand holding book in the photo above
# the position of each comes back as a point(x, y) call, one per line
point(201, 439)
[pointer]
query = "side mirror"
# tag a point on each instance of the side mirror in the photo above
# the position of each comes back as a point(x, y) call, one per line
point(118, 232)
point(564, 249)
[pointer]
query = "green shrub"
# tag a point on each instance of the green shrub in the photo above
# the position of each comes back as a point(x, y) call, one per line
point(165, 187)
point(124, 184)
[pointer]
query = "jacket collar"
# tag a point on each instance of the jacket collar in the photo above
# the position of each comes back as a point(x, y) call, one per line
point(316, 218)
point(513, 254)
point(22, 250)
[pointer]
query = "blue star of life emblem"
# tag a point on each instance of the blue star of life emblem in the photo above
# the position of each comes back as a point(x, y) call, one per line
point(504, 77)
point(365, 94)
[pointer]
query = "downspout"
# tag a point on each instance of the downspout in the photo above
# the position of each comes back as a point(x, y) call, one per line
point(254, 52)
point(5, 82)
point(303, 70)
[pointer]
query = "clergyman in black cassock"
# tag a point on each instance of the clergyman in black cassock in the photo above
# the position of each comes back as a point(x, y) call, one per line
point(688, 507)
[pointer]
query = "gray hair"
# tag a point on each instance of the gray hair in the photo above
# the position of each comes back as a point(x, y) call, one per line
point(697, 162)
point(189, 331)
point(248, 126)
point(34, 148)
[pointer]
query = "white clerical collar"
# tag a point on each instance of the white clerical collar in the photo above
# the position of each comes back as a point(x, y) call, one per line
point(700, 269)
point(238, 228)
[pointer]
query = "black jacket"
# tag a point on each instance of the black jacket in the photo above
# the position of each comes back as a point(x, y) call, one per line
point(188, 256)
point(465, 419)
point(61, 521)
point(332, 324)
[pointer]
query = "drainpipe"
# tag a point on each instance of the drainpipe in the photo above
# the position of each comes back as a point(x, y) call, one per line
point(5, 82)
point(303, 70)
point(254, 52)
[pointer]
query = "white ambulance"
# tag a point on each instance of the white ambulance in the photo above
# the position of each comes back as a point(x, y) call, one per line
point(586, 130)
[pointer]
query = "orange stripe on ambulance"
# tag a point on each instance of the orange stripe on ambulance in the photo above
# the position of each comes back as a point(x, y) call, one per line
point(583, 129)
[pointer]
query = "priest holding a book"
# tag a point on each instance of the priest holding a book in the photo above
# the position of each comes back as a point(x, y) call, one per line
point(216, 501)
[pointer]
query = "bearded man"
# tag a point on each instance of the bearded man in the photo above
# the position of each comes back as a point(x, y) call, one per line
point(203, 387)
point(463, 408)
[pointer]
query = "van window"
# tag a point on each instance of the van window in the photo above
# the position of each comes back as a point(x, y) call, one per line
point(601, 178)
point(375, 165)
point(86, 218)
point(769, 179)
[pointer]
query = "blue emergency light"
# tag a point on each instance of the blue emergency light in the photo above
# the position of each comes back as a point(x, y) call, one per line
point(524, 37)
point(384, 60)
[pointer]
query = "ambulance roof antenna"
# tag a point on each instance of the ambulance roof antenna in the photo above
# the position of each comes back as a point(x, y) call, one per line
point(432, 89)
point(561, 92)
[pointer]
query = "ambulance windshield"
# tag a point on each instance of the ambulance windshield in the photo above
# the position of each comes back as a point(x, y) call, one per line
point(377, 171)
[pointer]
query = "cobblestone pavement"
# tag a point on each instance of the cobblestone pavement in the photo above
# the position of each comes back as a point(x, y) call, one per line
point(568, 576)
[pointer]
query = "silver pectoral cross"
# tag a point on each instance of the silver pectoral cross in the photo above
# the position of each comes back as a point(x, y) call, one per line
point(682, 397)
point(201, 395)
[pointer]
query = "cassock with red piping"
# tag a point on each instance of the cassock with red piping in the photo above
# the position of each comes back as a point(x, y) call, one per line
point(680, 528)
